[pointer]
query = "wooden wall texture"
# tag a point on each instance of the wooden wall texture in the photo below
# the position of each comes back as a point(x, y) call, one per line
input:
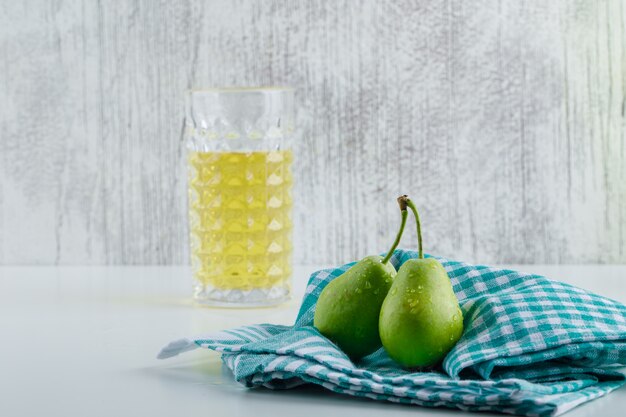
point(505, 120)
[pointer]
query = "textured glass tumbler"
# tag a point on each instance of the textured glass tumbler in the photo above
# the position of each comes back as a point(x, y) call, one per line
point(240, 204)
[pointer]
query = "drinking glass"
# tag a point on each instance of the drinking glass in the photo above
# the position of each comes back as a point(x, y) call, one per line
point(239, 156)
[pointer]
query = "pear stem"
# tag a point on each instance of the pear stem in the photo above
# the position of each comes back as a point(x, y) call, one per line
point(404, 214)
point(419, 227)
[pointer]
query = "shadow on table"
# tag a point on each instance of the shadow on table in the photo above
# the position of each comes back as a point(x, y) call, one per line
point(214, 375)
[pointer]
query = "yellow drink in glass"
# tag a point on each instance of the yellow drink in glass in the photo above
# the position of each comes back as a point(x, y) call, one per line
point(239, 186)
point(240, 218)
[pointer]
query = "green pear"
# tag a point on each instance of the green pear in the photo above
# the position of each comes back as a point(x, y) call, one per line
point(348, 308)
point(420, 319)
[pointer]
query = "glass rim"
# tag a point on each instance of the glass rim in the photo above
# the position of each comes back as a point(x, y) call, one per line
point(243, 89)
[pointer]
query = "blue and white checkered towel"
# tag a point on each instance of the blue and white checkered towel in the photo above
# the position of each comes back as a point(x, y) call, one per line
point(531, 347)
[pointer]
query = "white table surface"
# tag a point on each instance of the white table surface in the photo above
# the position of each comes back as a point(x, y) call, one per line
point(82, 341)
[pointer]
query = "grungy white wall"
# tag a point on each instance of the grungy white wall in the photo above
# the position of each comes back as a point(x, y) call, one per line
point(504, 120)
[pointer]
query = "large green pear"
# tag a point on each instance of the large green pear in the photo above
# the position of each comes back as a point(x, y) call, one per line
point(420, 319)
point(348, 308)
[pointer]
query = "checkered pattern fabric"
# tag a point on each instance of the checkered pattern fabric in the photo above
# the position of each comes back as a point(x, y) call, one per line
point(531, 347)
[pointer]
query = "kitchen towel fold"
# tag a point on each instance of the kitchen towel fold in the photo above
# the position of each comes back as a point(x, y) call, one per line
point(531, 346)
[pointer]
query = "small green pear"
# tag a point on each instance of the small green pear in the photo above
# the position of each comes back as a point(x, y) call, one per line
point(348, 308)
point(420, 319)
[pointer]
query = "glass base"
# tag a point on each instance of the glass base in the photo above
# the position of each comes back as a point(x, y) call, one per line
point(236, 298)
